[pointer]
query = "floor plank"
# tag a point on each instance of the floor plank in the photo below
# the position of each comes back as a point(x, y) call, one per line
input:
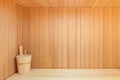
point(69, 74)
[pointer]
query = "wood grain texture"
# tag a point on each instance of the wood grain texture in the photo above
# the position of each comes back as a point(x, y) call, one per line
point(69, 74)
point(10, 36)
point(66, 38)
point(74, 38)
point(118, 38)
point(68, 3)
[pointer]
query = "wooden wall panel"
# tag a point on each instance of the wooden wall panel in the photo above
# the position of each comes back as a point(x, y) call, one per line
point(115, 37)
point(69, 3)
point(91, 34)
point(100, 37)
point(65, 19)
point(72, 37)
point(82, 38)
point(1, 42)
point(10, 36)
point(118, 38)
point(78, 38)
point(60, 40)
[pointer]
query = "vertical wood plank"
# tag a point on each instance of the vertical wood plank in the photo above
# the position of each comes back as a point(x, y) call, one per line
point(100, 35)
point(55, 29)
point(106, 38)
point(92, 38)
point(115, 37)
point(46, 34)
point(60, 38)
point(1, 41)
point(118, 38)
point(82, 38)
point(72, 37)
point(32, 36)
point(110, 37)
point(86, 39)
point(50, 36)
point(96, 37)
point(65, 19)
point(78, 65)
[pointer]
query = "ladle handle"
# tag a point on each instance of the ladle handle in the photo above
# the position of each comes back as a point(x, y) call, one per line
point(21, 50)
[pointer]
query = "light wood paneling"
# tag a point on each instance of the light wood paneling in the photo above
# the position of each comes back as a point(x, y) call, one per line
point(118, 38)
point(69, 3)
point(10, 36)
point(72, 37)
point(115, 38)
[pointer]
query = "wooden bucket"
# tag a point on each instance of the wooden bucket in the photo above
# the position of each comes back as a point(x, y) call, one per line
point(23, 64)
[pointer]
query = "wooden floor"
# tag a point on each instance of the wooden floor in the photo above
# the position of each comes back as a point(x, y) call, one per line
point(69, 74)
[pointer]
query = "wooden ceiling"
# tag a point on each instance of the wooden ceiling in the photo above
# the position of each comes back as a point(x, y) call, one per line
point(69, 3)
